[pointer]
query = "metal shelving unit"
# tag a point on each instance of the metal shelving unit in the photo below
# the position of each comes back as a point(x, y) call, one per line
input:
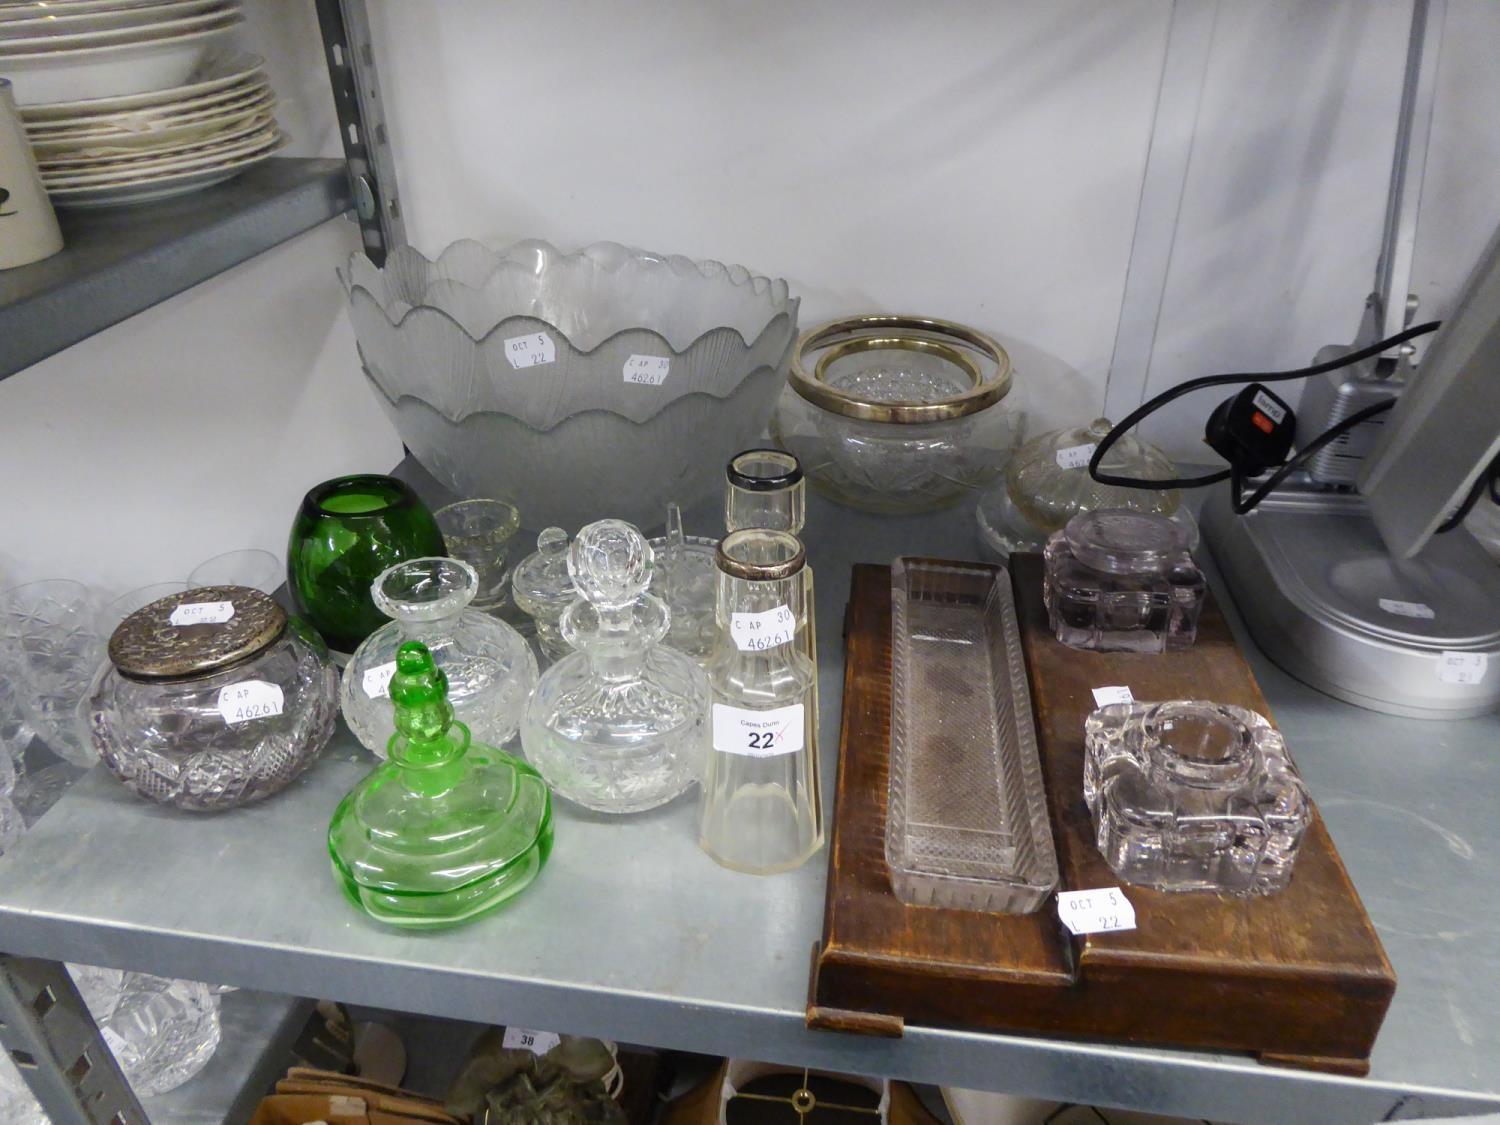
point(633, 934)
point(259, 1029)
point(118, 261)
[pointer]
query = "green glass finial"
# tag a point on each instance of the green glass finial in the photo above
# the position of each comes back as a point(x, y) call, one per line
point(420, 692)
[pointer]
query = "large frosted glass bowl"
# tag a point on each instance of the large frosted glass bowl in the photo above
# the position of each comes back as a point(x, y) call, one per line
point(607, 382)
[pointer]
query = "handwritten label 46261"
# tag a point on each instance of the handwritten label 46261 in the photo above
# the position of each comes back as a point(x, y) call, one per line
point(530, 351)
point(1095, 912)
point(650, 370)
point(757, 632)
point(250, 699)
point(377, 680)
point(1104, 696)
point(1075, 456)
point(202, 613)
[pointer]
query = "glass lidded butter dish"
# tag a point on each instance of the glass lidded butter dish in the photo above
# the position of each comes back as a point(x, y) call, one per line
point(1191, 795)
point(213, 697)
point(1122, 581)
point(967, 824)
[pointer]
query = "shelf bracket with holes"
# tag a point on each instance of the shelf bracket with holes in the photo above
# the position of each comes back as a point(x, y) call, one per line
point(49, 1034)
point(356, 96)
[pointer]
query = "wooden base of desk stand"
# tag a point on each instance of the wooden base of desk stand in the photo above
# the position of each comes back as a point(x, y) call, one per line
point(1298, 978)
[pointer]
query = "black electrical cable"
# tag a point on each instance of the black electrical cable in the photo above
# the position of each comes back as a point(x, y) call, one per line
point(1489, 478)
point(1302, 456)
point(1171, 394)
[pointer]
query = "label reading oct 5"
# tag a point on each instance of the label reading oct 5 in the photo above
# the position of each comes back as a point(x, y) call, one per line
point(530, 351)
point(1095, 912)
point(202, 613)
point(758, 734)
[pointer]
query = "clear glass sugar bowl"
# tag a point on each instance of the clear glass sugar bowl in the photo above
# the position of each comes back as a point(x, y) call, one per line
point(213, 698)
point(541, 587)
point(621, 725)
point(1193, 796)
point(489, 667)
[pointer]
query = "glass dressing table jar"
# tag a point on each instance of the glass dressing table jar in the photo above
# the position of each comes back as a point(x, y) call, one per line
point(213, 698)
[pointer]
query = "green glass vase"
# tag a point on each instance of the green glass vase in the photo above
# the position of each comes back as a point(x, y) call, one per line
point(347, 532)
point(446, 829)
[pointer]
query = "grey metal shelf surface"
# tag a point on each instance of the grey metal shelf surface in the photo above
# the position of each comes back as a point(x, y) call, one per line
point(118, 261)
point(633, 934)
point(259, 1029)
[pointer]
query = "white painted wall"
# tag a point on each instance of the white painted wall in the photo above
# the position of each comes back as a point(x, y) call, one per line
point(978, 159)
point(196, 426)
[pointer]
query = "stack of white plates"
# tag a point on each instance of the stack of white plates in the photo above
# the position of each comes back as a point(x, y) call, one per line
point(149, 128)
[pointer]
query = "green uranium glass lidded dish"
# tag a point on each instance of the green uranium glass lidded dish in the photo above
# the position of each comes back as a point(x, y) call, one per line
point(347, 533)
point(446, 829)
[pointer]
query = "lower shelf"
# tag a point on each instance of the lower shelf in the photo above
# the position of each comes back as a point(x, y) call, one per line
point(259, 1029)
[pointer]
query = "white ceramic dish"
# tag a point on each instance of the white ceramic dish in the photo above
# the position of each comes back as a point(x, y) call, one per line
point(64, 23)
point(220, 69)
point(84, 159)
point(56, 44)
point(202, 156)
point(134, 122)
point(32, 9)
point(125, 68)
point(123, 142)
point(157, 187)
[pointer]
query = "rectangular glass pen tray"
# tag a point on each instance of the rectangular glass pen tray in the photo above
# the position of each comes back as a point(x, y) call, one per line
point(967, 824)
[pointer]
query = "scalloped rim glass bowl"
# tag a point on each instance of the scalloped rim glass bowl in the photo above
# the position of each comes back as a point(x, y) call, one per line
point(453, 344)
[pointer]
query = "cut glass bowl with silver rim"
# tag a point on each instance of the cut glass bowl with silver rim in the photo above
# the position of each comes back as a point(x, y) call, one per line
point(603, 382)
point(489, 666)
point(898, 413)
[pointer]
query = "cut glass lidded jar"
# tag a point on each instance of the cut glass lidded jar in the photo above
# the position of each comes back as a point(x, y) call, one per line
point(1124, 582)
point(213, 698)
point(1194, 796)
point(898, 413)
point(490, 669)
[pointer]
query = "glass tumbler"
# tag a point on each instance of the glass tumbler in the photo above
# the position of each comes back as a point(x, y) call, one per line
point(765, 488)
point(54, 646)
point(249, 566)
point(479, 532)
point(348, 532)
point(118, 609)
point(761, 811)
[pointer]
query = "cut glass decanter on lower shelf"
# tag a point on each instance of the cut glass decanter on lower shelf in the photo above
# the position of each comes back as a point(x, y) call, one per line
point(447, 828)
point(621, 725)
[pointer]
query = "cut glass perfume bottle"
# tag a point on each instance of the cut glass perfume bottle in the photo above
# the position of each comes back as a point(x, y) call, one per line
point(1193, 796)
point(1122, 581)
point(620, 725)
point(447, 828)
point(489, 667)
point(760, 810)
